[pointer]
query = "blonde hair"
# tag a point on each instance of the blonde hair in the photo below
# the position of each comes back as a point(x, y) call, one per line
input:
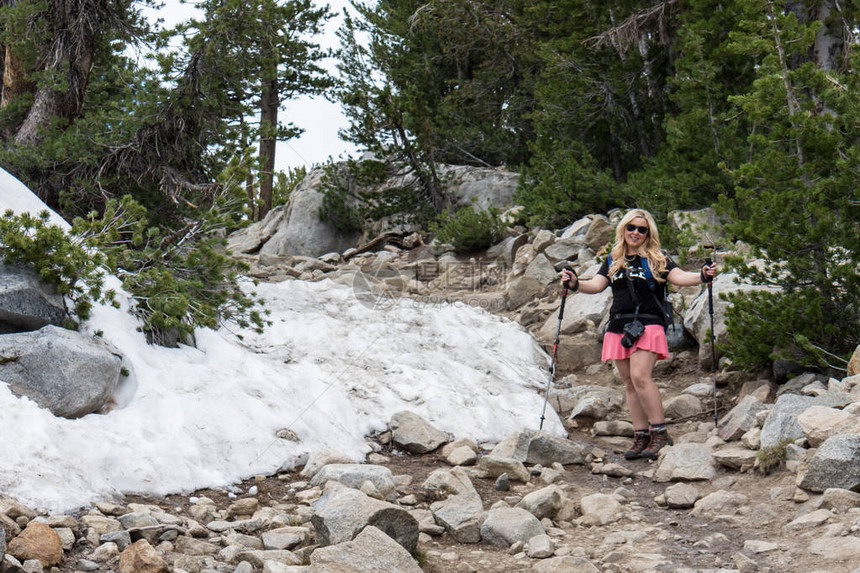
point(650, 248)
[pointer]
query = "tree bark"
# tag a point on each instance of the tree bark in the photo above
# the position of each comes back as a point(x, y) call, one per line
point(71, 58)
point(269, 103)
point(830, 40)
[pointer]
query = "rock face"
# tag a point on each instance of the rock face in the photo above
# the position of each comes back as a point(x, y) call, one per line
point(64, 371)
point(782, 422)
point(542, 448)
point(141, 557)
point(26, 303)
point(296, 228)
point(355, 475)
point(342, 513)
point(836, 464)
point(461, 512)
point(740, 419)
point(508, 525)
point(414, 434)
point(371, 551)
point(685, 462)
point(38, 541)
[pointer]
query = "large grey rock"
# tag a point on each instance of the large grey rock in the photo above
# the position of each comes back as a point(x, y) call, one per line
point(544, 502)
point(479, 187)
point(415, 434)
point(298, 229)
point(541, 270)
point(67, 372)
point(682, 406)
point(508, 525)
point(564, 564)
point(460, 511)
point(853, 364)
point(736, 457)
point(372, 551)
point(681, 495)
point(493, 466)
point(565, 400)
point(341, 513)
point(599, 233)
point(507, 249)
point(2, 543)
point(600, 509)
point(598, 405)
point(841, 500)
point(26, 303)
point(301, 232)
point(821, 422)
point(581, 312)
point(720, 502)
point(461, 516)
point(564, 250)
point(836, 464)
point(259, 557)
point(740, 419)
point(354, 476)
point(254, 236)
point(319, 459)
point(447, 482)
point(781, 423)
point(796, 384)
point(522, 290)
point(534, 447)
point(688, 461)
point(578, 352)
point(847, 550)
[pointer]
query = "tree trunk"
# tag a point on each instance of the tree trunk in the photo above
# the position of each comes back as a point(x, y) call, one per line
point(14, 77)
point(71, 58)
point(830, 40)
point(268, 128)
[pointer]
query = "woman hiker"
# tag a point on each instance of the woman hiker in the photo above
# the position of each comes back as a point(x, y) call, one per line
point(635, 261)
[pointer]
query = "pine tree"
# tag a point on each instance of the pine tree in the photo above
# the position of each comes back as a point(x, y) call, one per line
point(797, 200)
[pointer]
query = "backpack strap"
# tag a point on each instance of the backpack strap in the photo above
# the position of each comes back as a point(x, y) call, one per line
point(649, 277)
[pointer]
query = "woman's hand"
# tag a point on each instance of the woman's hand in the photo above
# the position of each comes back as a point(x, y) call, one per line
point(708, 272)
point(569, 279)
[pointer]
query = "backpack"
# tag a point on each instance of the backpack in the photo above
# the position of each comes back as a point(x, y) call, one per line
point(668, 314)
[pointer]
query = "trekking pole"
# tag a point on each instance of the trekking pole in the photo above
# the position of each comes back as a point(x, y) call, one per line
point(713, 351)
point(566, 285)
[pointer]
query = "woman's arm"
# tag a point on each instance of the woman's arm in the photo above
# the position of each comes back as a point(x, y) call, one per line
point(589, 286)
point(683, 278)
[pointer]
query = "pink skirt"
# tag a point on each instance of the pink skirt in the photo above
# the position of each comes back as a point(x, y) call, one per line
point(653, 340)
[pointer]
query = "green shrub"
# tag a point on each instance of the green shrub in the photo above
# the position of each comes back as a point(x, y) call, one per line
point(562, 184)
point(179, 279)
point(469, 230)
point(59, 259)
point(771, 458)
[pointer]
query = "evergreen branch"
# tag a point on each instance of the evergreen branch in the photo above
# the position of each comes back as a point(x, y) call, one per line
point(628, 33)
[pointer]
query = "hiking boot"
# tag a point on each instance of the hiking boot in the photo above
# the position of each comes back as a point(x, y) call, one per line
point(659, 439)
point(640, 442)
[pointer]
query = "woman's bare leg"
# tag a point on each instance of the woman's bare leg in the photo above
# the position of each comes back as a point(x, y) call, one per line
point(637, 412)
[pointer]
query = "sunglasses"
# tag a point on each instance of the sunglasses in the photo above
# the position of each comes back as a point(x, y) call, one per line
point(631, 227)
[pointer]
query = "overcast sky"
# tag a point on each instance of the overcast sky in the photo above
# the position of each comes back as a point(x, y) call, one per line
point(320, 119)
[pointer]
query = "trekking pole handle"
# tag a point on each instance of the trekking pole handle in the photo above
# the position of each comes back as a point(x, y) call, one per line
point(708, 262)
point(566, 284)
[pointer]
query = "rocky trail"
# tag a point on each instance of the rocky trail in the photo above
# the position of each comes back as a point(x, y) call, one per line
point(533, 502)
point(746, 521)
